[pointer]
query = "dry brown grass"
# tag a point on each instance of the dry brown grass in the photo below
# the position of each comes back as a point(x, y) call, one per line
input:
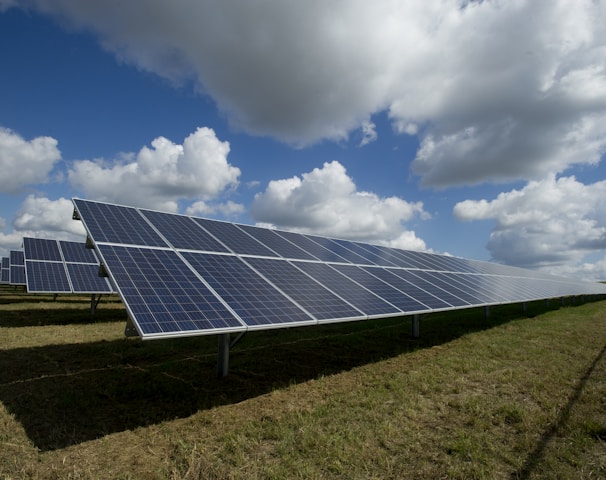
point(507, 397)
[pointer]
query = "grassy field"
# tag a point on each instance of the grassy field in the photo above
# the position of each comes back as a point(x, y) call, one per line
point(509, 397)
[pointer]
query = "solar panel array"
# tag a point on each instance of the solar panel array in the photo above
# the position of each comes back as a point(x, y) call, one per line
point(5, 270)
point(180, 275)
point(16, 268)
point(58, 266)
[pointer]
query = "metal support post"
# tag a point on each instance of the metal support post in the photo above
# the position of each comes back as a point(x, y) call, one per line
point(94, 302)
point(223, 355)
point(414, 326)
point(486, 312)
point(524, 308)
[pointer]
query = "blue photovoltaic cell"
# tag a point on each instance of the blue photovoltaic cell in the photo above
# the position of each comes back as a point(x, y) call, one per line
point(250, 296)
point(163, 295)
point(183, 233)
point(235, 239)
point(432, 261)
point(430, 297)
point(17, 275)
point(358, 296)
point(278, 244)
point(17, 267)
point(494, 284)
point(340, 249)
point(85, 278)
point(75, 252)
point(386, 257)
point(308, 293)
point(482, 286)
point(17, 258)
point(455, 265)
point(411, 259)
point(115, 224)
point(41, 249)
point(311, 247)
point(441, 282)
point(392, 295)
point(47, 277)
point(514, 288)
point(372, 256)
point(417, 278)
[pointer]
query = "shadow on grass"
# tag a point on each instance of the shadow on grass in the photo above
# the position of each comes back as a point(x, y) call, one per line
point(41, 317)
point(537, 454)
point(67, 394)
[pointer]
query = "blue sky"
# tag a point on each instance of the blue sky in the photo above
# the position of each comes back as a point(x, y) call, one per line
point(474, 129)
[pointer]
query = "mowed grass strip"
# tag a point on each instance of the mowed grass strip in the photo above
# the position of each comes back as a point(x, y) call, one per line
point(504, 397)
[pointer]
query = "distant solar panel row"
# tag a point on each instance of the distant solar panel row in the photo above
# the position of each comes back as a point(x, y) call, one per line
point(5, 270)
point(58, 266)
point(180, 275)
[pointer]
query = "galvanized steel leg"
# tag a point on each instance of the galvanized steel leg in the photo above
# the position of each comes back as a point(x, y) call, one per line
point(486, 313)
point(223, 356)
point(414, 326)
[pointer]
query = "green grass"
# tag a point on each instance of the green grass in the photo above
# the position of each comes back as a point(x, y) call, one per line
point(504, 397)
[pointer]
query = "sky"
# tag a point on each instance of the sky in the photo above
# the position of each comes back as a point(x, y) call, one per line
point(470, 128)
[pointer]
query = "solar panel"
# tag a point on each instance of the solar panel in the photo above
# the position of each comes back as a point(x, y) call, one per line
point(163, 296)
point(316, 250)
point(44, 269)
point(5, 270)
point(235, 238)
point(84, 278)
point(362, 298)
point(180, 275)
point(17, 267)
point(53, 266)
point(75, 252)
point(254, 299)
point(41, 249)
point(119, 224)
point(374, 256)
point(47, 277)
point(278, 244)
point(307, 292)
point(183, 233)
point(406, 298)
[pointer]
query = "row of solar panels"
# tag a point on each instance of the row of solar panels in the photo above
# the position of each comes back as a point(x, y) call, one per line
point(13, 268)
point(54, 266)
point(181, 275)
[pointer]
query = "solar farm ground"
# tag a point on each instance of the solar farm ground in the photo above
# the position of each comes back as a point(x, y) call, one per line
point(506, 397)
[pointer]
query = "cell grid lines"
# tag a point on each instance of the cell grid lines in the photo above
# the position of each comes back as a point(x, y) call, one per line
point(59, 266)
point(180, 275)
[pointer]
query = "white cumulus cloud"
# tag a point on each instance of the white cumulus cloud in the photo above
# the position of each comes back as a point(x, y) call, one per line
point(326, 201)
point(494, 90)
point(24, 162)
point(160, 175)
point(205, 209)
point(554, 223)
point(41, 217)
